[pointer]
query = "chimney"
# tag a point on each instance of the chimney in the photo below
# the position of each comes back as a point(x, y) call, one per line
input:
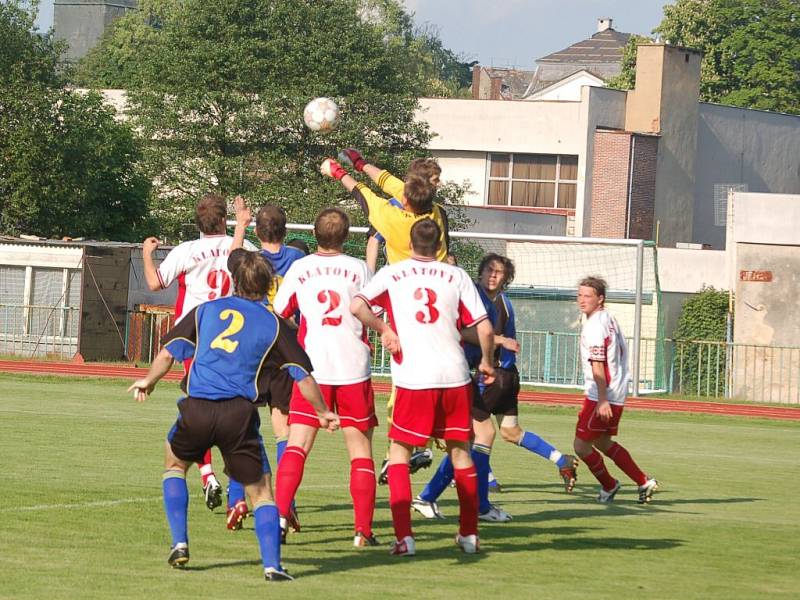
point(604, 23)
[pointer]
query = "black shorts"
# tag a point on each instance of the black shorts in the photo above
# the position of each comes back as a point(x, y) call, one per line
point(230, 425)
point(499, 398)
point(278, 390)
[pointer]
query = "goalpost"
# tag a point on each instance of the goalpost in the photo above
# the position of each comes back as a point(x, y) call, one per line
point(543, 292)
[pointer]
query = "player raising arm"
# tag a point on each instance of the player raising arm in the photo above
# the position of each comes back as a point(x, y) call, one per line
point(321, 287)
point(426, 301)
point(235, 341)
point(200, 268)
point(604, 356)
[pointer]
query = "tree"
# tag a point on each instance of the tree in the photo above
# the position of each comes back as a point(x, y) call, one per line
point(217, 87)
point(751, 49)
point(66, 166)
point(626, 80)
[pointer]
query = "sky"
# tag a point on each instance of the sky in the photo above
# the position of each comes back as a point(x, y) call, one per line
point(511, 32)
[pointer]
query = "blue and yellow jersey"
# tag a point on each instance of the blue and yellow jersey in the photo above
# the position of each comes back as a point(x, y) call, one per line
point(280, 261)
point(234, 342)
point(501, 316)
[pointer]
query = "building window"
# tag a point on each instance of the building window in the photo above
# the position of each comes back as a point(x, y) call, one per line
point(532, 180)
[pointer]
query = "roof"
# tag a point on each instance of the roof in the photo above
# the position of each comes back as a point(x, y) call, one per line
point(543, 80)
point(515, 82)
point(603, 47)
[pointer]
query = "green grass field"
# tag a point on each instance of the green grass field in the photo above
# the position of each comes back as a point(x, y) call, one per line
point(82, 516)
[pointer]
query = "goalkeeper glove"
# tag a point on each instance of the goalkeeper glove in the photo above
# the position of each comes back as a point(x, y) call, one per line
point(352, 157)
point(333, 169)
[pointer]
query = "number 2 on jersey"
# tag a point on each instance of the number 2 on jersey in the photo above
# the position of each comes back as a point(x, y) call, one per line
point(429, 296)
point(222, 342)
point(334, 300)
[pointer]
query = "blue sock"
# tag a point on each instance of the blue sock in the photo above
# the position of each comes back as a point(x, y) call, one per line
point(268, 532)
point(531, 441)
point(439, 482)
point(280, 447)
point(480, 456)
point(176, 504)
point(235, 492)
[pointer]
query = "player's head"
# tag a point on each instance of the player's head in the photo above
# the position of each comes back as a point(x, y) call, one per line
point(495, 272)
point(210, 214)
point(331, 228)
point(426, 238)
point(251, 274)
point(427, 168)
point(271, 224)
point(300, 245)
point(418, 193)
point(591, 294)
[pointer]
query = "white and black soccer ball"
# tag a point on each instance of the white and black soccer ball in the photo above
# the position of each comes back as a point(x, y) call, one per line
point(321, 114)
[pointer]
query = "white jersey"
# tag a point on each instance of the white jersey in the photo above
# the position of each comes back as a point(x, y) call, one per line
point(602, 341)
point(321, 287)
point(428, 302)
point(201, 268)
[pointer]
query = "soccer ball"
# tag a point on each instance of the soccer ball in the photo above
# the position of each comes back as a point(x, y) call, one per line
point(321, 114)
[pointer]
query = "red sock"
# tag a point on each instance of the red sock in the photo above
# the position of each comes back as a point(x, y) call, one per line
point(467, 488)
point(622, 458)
point(290, 474)
point(362, 490)
point(596, 465)
point(400, 500)
point(206, 470)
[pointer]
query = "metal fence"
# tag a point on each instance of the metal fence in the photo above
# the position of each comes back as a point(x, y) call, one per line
point(546, 358)
point(39, 331)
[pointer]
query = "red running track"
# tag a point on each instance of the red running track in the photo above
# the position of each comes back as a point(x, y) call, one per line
point(548, 398)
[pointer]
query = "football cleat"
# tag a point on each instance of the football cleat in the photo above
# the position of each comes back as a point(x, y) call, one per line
point(420, 460)
point(494, 485)
point(429, 510)
point(236, 515)
point(607, 497)
point(273, 574)
point(212, 492)
point(495, 515)
point(292, 519)
point(569, 472)
point(404, 547)
point(468, 543)
point(646, 491)
point(362, 541)
point(178, 555)
point(383, 478)
point(284, 529)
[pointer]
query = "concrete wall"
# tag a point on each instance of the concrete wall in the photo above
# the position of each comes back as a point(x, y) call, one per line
point(487, 126)
point(739, 146)
point(81, 23)
point(493, 220)
point(465, 167)
point(603, 108)
point(688, 271)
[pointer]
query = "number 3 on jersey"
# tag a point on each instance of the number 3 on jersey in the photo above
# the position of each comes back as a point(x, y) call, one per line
point(429, 298)
point(221, 342)
point(333, 299)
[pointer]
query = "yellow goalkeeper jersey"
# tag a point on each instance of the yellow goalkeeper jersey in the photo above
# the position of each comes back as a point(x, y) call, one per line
point(393, 222)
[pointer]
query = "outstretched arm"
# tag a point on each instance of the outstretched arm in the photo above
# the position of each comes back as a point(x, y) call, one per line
point(362, 311)
point(142, 388)
point(243, 219)
point(388, 183)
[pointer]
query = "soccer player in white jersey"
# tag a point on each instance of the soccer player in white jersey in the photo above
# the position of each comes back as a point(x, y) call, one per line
point(604, 357)
point(321, 287)
point(201, 270)
point(427, 303)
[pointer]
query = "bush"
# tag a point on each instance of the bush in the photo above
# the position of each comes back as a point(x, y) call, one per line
point(701, 366)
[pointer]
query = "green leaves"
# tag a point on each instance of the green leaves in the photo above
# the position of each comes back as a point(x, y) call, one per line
point(751, 49)
point(67, 167)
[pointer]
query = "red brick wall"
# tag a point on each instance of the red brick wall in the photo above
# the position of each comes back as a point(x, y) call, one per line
point(610, 184)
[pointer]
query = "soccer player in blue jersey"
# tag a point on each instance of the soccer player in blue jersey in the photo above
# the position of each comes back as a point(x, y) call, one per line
point(237, 343)
point(271, 232)
point(500, 399)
